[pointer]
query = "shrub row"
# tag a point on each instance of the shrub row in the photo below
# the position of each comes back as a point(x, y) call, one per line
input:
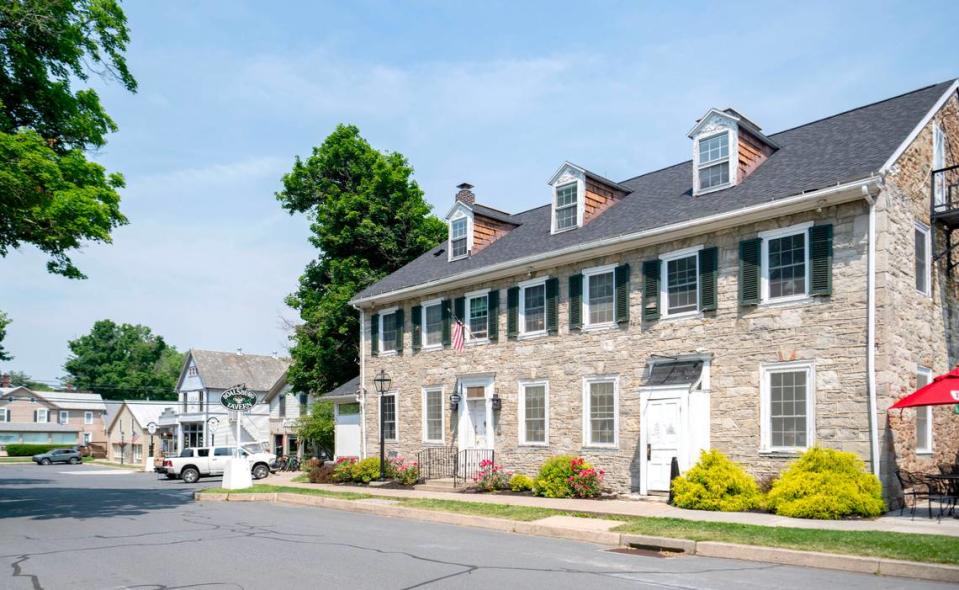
point(349, 469)
point(821, 484)
point(562, 476)
point(28, 450)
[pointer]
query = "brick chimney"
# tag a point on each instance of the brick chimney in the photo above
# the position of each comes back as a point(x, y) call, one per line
point(5, 380)
point(465, 195)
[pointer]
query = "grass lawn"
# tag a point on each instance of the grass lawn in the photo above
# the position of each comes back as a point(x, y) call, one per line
point(301, 478)
point(15, 459)
point(910, 547)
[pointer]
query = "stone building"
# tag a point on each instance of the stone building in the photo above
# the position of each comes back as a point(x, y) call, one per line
point(774, 293)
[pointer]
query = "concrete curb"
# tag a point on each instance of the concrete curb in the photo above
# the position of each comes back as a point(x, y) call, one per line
point(850, 563)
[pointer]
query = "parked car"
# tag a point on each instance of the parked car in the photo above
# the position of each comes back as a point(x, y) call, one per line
point(196, 462)
point(71, 456)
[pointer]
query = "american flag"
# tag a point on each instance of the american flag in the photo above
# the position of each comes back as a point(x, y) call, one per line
point(459, 336)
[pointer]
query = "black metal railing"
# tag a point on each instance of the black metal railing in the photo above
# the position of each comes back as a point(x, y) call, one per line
point(944, 192)
point(437, 462)
point(469, 462)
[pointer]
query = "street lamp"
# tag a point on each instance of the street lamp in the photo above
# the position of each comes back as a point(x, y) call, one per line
point(382, 383)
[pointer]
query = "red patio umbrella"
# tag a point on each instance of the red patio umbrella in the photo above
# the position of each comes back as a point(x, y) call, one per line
point(944, 390)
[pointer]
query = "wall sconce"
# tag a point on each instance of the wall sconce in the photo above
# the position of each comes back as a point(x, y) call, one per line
point(497, 402)
point(454, 401)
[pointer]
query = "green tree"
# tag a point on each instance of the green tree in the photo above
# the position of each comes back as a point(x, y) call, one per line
point(21, 379)
point(318, 427)
point(368, 218)
point(123, 361)
point(4, 322)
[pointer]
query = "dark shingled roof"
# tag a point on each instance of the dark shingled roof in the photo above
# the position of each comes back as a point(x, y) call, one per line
point(494, 214)
point(842, 148)
point(348, 388)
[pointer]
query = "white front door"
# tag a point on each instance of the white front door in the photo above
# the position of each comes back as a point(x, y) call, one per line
point(347, 430)
point(663, 425)
point(475, 415)
point(475, 435)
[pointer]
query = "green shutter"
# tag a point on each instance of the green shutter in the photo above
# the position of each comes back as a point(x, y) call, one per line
point(459, 310)
point(552, 306)
point(651, 273)
point(375, 334)
point(447, 330)
point(398, 318)
point(750, 252)
point(416, 314)
point(820, 260)
point(492, 326)
point(708, 277)
point(621, 280)
point(575, 302)
point(512, 313)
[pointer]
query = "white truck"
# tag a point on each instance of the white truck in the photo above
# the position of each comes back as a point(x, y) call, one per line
point(196, 462)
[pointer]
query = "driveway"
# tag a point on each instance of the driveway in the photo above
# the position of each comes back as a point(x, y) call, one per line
point(92, 527)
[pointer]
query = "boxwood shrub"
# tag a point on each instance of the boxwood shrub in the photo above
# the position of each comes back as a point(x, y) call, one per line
point(716, 483)
point(368, 470)
point(520, 483)
point(826, 484)
point(565, 476)
point(28, 450)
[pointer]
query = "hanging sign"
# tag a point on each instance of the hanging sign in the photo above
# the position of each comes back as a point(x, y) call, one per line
point(238, 398)
point(152, 428)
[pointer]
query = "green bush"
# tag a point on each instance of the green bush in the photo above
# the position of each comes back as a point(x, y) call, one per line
point(520, 483)
point(826, 484)
point(367, 470)
point(343, 470)
point(28, 450)
point(557, 474)
point(716, 483)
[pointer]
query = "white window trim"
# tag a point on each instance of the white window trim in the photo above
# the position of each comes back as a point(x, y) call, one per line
point(593, 271)
point(46, 415)
point(396, 414)
point(580, 202)
point(938, 161)
point(87, 438)
point(4, 415)
point(733, 142)
point(924, 229)
point(665, 259)
point(468, 336)
point(461, 214)
point(522, 307)
point(521, 413)
point(88, 417)
point(765, 430)
point(929, 417)
point(379, 344)
point(63, 417)
point(782, 232)
point(587, 425)
point(442, 437)
point(423, 305)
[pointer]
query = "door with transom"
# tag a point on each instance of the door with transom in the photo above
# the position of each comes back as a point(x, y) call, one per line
point(663, 424)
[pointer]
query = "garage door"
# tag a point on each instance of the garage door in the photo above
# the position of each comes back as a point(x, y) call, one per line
point(347, 429)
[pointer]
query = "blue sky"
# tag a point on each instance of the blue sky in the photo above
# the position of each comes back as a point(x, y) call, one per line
point(497, 94)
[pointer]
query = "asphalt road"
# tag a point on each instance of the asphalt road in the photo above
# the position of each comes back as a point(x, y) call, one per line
point(92, 527)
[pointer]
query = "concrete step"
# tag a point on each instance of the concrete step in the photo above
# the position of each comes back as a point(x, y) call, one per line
point(438, 485)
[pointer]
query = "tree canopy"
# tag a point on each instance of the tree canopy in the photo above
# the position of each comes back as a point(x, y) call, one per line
point(4, 322)
point(21, 379)
point(51, 196)
point(123, 361)
point(369, 218)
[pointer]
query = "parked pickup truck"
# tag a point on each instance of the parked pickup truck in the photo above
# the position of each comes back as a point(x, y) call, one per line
point(196, 462)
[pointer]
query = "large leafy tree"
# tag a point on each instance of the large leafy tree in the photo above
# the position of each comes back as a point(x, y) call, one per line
point(123, 361)
point(4, 322)
point(21, 379)
point(368, 218)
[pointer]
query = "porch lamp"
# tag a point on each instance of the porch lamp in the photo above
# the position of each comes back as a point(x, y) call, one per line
point(382, 383)
point(454, 400)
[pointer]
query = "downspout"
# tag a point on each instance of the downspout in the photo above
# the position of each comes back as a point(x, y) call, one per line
point(871, 335)
point(362, 389)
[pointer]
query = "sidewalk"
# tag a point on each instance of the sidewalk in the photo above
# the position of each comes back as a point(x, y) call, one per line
point(890, 523)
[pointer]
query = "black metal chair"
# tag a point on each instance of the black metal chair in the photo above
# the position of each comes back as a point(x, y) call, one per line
point(914, 486)
point(942, 492)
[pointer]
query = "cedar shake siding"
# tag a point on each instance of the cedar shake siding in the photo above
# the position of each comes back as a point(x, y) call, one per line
point(487, 230)
point(599, 197)
point(752, 153)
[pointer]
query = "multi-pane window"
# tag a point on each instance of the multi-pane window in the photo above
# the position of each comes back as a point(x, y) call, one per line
point(714, 161)
point(599, 298)
point(388, 332)
point(534, 308)
point(42, 416)
point(923, 416)
point(478, 317)
point(433, 415)
point(388, 408)
point(601, 413)
point(923, 258)
point(682, 288)
point(348, 409)
point(458, 237)
point(787, 265)
point(788, 406)
point(566, 206)
point(433, 325)
point(88, 417)
point(533, 414)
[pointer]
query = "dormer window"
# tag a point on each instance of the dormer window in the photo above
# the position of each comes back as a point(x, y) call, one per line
point(459, 237)
point(565, 210)
point(714, 161)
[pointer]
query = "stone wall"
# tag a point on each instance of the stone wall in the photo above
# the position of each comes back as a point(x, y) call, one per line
point(831, 332)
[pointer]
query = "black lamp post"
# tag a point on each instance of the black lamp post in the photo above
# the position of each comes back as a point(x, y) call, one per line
point(382, 383)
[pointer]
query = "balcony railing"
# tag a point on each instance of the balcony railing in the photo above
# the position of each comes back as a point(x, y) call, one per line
point(944, 196)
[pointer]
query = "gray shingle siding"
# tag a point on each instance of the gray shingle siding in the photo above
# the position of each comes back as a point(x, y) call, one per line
point(838, 149)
